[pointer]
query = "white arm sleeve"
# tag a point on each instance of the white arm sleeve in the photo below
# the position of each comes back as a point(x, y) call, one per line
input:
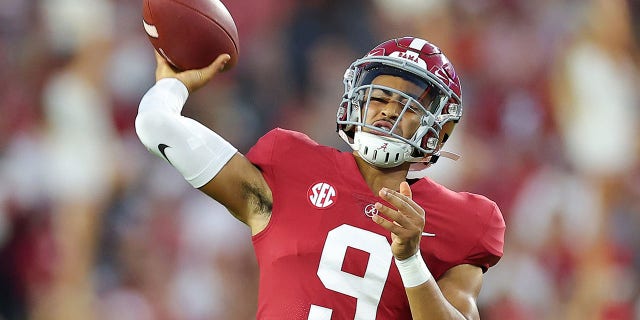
point(193, 149)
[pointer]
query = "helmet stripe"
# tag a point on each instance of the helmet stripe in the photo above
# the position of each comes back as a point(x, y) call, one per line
point(417, 44)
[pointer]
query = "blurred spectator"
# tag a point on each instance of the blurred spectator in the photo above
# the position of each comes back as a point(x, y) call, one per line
point(596, 104)
point(595, 92)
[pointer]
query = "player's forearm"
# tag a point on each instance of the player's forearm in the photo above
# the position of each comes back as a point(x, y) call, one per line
point(425, 296)
point(193, 149)
point(428, 302)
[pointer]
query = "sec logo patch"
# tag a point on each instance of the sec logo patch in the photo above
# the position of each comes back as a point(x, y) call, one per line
point(322, 195)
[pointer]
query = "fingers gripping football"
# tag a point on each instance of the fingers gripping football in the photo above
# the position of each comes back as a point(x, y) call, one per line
point(192, 79)
point(405, 220)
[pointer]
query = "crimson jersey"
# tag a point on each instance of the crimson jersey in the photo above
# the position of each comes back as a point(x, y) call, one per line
point(322, 257)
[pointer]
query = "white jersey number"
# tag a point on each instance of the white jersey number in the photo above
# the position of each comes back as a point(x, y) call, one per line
point(367, 289)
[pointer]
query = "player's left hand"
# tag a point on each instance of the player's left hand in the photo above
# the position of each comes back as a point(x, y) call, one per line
point(405, 221)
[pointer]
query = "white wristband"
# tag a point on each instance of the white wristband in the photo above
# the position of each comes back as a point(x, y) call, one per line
point(413, 271)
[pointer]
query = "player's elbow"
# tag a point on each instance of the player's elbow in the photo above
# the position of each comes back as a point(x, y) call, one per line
point(149, 125)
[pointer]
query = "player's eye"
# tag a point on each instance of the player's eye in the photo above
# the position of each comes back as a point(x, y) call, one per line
point(380, 99)
point(414, 107)
point(379, 96)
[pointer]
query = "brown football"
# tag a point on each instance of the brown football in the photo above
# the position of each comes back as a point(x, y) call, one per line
point(190, 34)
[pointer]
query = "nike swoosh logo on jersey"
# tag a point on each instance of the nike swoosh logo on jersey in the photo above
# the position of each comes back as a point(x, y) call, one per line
point(161, 148)
point(427, 234)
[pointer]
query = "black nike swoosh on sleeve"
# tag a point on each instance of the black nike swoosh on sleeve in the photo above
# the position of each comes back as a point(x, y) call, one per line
point(161, 148)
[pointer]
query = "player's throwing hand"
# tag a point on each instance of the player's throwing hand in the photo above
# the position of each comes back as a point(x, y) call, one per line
point(192, 79)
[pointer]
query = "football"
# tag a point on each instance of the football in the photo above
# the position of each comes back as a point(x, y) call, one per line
point(190, 34)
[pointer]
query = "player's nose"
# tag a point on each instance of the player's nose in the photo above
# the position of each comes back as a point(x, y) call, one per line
point(392, 109)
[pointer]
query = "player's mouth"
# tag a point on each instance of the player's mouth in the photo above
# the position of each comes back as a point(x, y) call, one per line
point(384, 126)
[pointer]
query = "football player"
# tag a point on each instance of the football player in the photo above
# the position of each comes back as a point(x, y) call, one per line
point(346, 235)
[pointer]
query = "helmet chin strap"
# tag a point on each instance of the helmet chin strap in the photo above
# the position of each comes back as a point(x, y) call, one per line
point(386, 152)
point(380, 151)
point(450, 155)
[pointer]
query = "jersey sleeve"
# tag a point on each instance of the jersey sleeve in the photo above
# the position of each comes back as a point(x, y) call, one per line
point(490, 246)
point(278, 147)
point(261, 154)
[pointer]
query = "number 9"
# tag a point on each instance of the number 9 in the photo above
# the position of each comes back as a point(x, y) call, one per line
point(367, 289)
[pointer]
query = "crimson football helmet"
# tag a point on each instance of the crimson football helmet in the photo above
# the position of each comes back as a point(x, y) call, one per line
point(440, 104)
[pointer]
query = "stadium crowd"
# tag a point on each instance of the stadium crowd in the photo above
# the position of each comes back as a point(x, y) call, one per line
point(92, 226)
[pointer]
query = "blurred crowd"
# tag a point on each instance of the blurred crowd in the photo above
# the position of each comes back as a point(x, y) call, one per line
point(92, 226)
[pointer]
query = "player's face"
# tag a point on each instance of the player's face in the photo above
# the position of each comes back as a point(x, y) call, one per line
point(385, 106)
